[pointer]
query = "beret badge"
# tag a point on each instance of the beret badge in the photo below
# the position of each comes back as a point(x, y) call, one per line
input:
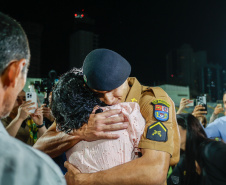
point(85, 79)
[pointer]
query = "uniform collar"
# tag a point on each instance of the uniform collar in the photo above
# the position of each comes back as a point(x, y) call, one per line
point(135, 90)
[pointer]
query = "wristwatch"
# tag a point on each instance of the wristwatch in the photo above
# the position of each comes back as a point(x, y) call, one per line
point(40, 126)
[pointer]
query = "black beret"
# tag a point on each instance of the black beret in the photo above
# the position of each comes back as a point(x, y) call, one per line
point(105, 70)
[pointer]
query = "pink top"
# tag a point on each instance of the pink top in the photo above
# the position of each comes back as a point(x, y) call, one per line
point(99, 155)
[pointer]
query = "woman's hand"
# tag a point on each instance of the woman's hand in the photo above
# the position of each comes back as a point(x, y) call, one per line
point(37, 117)
point(23, 110)
point(199, 111)
point(183, 103)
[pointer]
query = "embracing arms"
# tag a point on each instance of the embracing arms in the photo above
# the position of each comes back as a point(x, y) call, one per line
point(55, 143)
point(151, 168)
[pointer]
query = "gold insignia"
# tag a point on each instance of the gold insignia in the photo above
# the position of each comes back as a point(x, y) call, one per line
point(157, 132)
point(134, 100)
point(85, 79)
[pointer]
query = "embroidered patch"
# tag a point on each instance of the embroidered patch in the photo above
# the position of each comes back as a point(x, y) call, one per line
point(159, 101)
point(161, 110)
point(157, 132)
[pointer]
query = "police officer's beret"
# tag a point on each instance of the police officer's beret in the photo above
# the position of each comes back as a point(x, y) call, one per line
point(105, 70)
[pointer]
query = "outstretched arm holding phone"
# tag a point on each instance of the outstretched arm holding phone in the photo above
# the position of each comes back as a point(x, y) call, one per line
point(23, 113)
point(183, 104)
point(218, 109)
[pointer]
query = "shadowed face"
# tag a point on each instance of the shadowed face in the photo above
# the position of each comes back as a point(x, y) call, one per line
point(183, 133)
point(19, 101)
point(224, 101)
point(11, 95)
point(114, 96)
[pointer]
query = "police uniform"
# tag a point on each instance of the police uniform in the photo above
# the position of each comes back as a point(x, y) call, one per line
point(105, 70)
point(161, 131)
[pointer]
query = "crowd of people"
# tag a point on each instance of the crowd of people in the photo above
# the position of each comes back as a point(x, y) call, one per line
point(112, 129)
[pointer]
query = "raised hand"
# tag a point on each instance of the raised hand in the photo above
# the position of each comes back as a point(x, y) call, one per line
point(23, 110)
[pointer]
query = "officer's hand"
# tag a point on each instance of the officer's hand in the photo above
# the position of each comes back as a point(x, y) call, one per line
point(100, 124)
point(72, 175)
point(23, 110)
point(218, 109)
point(198, 111)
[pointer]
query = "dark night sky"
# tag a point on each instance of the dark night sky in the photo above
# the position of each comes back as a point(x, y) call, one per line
point(142, 31)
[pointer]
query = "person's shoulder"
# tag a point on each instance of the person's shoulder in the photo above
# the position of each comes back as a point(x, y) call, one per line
point(213, 149)
point(28, 159)
point(15, 146)
point(128, 104)
point(155, 94)
point(218, 121)
point(126, 107)
point(208, 146)
point(222, 118)
point(154, 91)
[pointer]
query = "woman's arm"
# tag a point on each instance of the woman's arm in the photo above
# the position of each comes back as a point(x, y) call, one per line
point(14, 126)
point(55, 143)
point(23, 113)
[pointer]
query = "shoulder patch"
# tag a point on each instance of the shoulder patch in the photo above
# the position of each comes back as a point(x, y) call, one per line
point(161, 110)
point(157, 132)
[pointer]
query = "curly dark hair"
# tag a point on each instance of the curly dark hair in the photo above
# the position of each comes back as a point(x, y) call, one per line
point(72, 101)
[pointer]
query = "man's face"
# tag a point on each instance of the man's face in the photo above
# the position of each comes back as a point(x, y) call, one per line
point(224, 101)
point(114, 96)
point(11, 95)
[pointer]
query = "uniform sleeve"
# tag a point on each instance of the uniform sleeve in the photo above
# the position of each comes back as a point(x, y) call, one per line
point(136, 122)
point(160, 133)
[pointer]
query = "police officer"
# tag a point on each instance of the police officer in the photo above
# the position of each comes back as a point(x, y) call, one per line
point(107, 73)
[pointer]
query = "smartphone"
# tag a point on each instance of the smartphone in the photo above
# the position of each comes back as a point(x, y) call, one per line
point(201, 100)
point(190, 103)
point(33, 97)
point(219, 105)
